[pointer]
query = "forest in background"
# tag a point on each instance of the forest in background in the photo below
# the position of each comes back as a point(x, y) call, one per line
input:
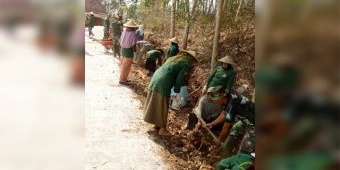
point(194, 23)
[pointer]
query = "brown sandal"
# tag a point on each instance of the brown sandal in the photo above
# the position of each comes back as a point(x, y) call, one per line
point(124, 83)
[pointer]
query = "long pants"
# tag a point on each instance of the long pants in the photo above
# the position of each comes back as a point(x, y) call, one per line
point(116, 46)
point(232, 144)
point(90, 31)
point(150, 65)
point(248, 141)
point(125, 68)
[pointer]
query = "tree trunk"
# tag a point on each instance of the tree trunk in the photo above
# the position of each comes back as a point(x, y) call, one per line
point(238, 9)
point(224, 3)
point(230, 6)
point(186, 29)
point(172, 23)
point(214, 7)
point(194, 11)
point(261, 32)
point(189, 18)
point(210, 6)
point(204, 6)
point(217, 35)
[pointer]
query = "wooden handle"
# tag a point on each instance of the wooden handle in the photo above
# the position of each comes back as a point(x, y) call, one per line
point(205, 126)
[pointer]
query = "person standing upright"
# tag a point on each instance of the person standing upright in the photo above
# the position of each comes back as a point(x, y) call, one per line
point(117, 29)
point(91, 24)
point(140, 41)
point(140, 33)
point(128, 47)
point(107, 26)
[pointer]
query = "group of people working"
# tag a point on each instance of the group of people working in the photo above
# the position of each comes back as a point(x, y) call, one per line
point(220, 106)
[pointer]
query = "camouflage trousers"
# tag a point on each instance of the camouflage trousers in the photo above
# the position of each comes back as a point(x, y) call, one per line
point(240, 140)
point(248, 142)
point(106, 33)
point(116, 45)
point(232, 143)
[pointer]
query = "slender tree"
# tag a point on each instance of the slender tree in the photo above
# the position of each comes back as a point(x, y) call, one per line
point(172, 23)
point(217, 34)
point(189, 19)
point(186, 29)
point(238, 10)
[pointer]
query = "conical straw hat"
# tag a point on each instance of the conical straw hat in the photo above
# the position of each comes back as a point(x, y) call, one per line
point(131, 23)
point(192, 54)
point(175, 40)
point(227, 59)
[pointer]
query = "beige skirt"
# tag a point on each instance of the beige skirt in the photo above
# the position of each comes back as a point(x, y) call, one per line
point(156, 109)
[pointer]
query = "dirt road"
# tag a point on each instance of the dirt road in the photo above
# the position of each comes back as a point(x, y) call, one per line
point(116, 136)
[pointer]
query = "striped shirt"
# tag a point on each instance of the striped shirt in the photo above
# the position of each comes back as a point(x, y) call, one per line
point(128, 39)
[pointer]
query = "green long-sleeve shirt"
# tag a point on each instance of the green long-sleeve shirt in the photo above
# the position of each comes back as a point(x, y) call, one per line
point(91, 21)
point(170, 74)
point(154, 55)
point(173, 50)
point(222, 77)
point(237, 162)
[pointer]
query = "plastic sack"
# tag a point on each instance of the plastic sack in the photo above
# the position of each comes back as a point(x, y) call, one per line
point(184, 98)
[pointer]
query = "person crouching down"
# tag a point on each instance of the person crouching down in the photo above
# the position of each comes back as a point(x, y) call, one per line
point(151, 57)
point(174, 48)
point(171, 74)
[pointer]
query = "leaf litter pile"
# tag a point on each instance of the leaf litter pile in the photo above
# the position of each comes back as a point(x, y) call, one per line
point(188, 149)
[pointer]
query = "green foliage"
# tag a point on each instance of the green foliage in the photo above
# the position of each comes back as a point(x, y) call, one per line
point(114, 5)
point(154, 15)
point(147, 3)
point(181, 10)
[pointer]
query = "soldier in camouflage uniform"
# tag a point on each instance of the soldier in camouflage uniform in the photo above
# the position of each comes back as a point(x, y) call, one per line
point(117, 29)
point(242, 109)
point(232, 143)
point(107, 26)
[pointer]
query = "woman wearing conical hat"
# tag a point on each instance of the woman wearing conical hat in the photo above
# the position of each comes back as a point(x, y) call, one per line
point(171, 74)
point(174, 49)
point(223, 75)
point(128, 47)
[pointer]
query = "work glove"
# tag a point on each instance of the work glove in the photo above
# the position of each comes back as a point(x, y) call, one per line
point(233, 96)
point(244, 100)
point(230, 118)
